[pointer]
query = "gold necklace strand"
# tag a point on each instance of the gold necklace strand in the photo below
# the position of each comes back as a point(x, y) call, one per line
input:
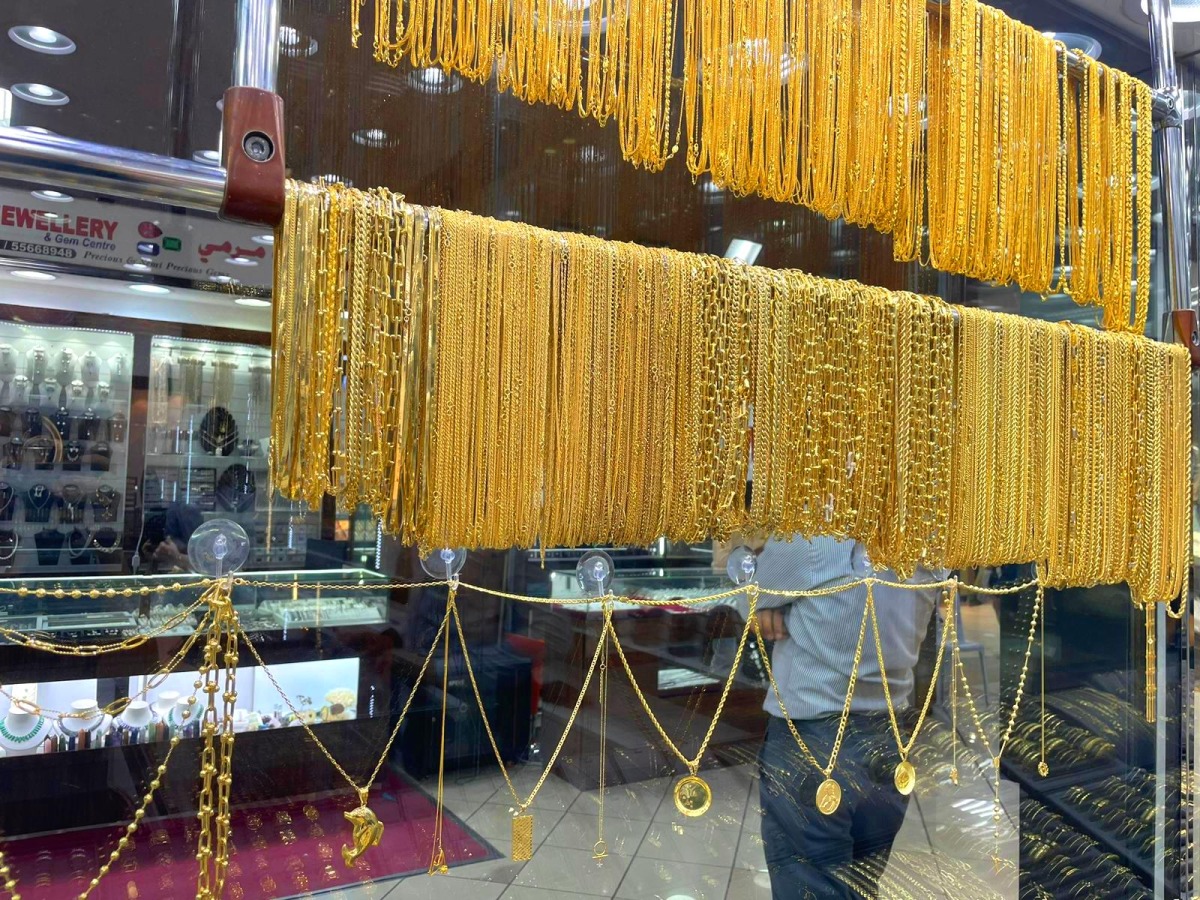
point(905, 775)
point(829, 792)
point(1002, 743)
point(692, 795)
point(787, 100)
point(522, 821)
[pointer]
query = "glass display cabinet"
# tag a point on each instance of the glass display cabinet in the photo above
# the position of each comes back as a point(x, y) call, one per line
point(323, 635)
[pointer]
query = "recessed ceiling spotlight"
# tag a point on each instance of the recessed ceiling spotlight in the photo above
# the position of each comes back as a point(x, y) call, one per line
point(207, 157)
point(241, 261)
point(42, 40)
point(35, 129)
point(149, 289)
point(43, 94)
point(256, 302)
point(1073, 40)
point(372, 137)
point(432, 80)
point(294, 44)
point(51, 196)
point(32, 275)
point(222, 279)
point(137, 267)
point(267, 240)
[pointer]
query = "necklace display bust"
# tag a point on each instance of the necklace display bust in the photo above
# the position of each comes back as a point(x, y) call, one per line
point(22, 731)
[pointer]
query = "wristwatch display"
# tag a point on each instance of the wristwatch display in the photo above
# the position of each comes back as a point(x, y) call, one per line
point(65, 398)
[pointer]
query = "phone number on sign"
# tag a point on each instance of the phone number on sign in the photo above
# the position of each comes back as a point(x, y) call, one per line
point(37, 249)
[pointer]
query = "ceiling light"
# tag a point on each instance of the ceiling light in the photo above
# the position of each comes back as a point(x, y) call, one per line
point(265, 239)
point(241, 261)
point(743, 251)
point(42, 40)
point(207, 157)
point(35, 129)
point(256, 302)
point(1073, 40)
point(432, 80)
point(137, 267)
point(32, 275)
point(53, 196)
point(149, 289)
point(43, 94)
point(372, 137)
point(222, 279)
point(294, 44)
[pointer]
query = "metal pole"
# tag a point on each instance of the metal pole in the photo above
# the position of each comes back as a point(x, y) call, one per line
point(1172, 162)
point(256, 56)
point(109, 171)
point(1172, 173)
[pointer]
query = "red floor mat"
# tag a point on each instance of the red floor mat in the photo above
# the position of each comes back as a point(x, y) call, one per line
point(281, 850)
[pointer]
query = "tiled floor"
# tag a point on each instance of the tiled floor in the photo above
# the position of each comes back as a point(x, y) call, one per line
point(655, 854)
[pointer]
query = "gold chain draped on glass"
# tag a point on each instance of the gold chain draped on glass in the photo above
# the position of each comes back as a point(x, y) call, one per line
point(959, 124)
point(488, 384)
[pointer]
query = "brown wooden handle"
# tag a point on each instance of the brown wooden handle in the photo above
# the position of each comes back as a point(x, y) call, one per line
point(1187, 330)
point(253, 156)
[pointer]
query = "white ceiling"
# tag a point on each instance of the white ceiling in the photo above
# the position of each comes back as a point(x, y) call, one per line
point(77, 293)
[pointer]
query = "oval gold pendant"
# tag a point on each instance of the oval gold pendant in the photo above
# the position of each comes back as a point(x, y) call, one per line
point(693, 796)
point(829, 797)
point(905, 777)
point(954, 774)
point(1043, 769)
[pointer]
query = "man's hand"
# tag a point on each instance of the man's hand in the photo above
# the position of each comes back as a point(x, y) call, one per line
point(773, 623)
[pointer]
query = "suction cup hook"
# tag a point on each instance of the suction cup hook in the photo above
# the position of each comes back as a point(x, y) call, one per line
point(742, 566)
point(445, 564)
point(595, 573)
point(218, 548)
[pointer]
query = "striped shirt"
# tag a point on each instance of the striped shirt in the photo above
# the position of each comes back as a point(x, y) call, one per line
point(812, 666)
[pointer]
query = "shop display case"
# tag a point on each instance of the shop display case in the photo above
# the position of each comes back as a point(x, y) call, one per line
point(64, 422)
point(680, 656)
point(207, 433)
point(327, 646)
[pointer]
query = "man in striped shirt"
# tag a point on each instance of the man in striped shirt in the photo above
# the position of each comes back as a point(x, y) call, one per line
point(808, 853)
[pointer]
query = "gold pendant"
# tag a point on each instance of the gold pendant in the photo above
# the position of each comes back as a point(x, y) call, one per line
point(1043, 769)
point(693, 796)
point(829, 797)
point(522, 838)
point(600, 849)
point(954, 774)
point(905, 777)
point(437, 866)
point(367, 832)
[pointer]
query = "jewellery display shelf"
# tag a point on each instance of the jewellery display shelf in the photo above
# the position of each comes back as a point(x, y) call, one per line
point(679, 655)
point(207, 432)
point(322, 645)
point(1100, 789)
point(64, 450)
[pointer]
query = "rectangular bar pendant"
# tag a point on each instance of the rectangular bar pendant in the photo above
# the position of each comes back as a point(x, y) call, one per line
point(522, 838)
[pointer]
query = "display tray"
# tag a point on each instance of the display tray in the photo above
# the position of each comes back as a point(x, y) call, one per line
point(1051, 791)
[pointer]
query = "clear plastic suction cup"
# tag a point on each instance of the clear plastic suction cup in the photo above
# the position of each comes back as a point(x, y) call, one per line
point(595, 573)
point(445, 563)
point(218, 548)
point(741, 566)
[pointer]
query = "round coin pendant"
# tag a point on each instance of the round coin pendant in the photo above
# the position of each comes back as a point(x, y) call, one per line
point(1043, 769)
point(829, 797)
point(693, 796)
point(905, 777)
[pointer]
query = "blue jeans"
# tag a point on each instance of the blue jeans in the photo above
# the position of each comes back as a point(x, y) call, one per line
point(808, 853)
